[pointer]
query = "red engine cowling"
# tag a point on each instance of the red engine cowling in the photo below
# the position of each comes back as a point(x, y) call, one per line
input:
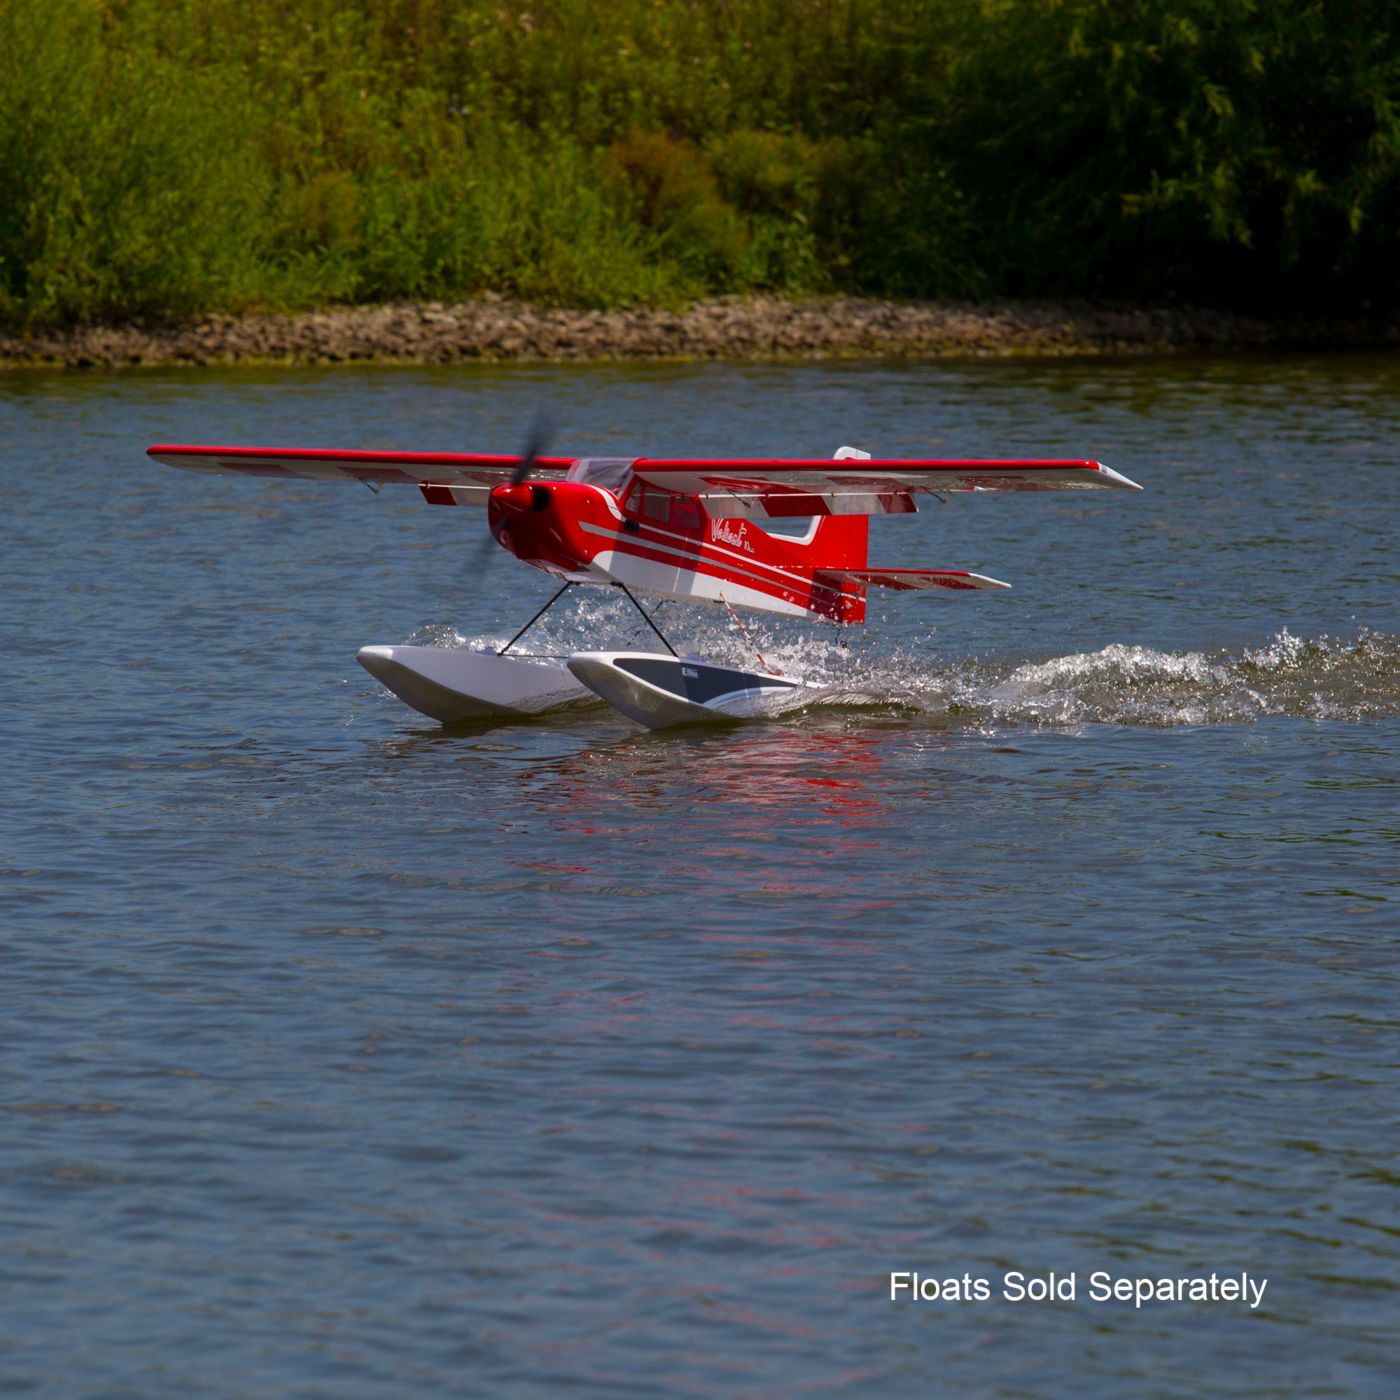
point(545, 523)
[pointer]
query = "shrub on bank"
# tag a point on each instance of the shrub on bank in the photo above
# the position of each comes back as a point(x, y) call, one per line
point(176, 156)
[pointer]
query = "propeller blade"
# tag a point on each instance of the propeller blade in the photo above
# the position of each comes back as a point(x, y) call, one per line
point(541, 432)
point(536, 445)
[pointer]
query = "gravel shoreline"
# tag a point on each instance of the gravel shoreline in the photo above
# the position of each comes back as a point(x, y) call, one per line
point(729, 328)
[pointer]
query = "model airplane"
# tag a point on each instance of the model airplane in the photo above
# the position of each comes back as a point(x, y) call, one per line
point(681, 528)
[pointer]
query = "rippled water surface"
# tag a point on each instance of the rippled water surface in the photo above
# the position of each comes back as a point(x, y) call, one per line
point(350, 1055)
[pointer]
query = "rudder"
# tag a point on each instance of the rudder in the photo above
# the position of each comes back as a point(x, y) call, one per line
point(840, 542)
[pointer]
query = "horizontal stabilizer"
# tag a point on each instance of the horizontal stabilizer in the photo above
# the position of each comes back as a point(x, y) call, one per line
point(903, 579)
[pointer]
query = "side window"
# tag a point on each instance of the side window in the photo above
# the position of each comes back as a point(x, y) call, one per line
point(685, 514)
point(656, 505)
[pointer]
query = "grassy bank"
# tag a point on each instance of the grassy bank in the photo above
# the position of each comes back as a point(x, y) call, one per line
point(176, 157)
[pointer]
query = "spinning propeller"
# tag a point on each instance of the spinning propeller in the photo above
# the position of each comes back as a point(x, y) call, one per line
point(541, 433)
point(536, 444)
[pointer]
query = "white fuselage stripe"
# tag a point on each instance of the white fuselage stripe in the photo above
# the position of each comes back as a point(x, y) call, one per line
point(775, 576)
point(659, 579)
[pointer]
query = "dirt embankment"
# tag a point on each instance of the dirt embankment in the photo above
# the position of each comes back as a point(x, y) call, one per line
point(494, 328)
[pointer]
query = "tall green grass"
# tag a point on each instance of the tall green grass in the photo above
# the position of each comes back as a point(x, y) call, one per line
point(175, 156)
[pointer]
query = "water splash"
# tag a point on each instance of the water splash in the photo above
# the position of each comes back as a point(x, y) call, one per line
point(1322, 678)
point(440, 634)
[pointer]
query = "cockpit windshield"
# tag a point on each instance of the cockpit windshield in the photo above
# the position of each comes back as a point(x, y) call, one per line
point(611, 473)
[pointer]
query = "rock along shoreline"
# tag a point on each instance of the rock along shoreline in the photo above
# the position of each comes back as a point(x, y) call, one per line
point(494, 328)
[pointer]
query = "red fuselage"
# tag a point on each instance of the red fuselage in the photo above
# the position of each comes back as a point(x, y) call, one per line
point(666, 544)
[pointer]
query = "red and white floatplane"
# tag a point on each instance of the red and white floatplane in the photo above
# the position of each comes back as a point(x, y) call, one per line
point(664, 528)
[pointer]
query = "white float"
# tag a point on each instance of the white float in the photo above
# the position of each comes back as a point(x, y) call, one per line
point(664, 691)
point(453, 683)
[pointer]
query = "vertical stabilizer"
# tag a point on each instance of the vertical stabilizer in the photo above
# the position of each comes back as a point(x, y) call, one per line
point(840, 542)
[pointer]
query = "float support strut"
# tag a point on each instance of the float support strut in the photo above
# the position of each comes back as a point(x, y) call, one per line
point(535, 619)
point(646, 618)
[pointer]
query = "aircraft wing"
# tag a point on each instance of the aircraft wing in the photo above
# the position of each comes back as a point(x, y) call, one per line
point(820, 486)
point(738, 486)
point(445, 478)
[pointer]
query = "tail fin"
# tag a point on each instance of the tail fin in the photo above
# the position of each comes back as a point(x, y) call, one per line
point(839, 546)
point(840, 542)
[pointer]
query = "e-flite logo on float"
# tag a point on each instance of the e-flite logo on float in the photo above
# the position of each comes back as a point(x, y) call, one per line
point(731, 534)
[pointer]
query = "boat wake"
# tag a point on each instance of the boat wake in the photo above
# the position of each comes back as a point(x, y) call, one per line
point(1318, 679)
point(1321, 678)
